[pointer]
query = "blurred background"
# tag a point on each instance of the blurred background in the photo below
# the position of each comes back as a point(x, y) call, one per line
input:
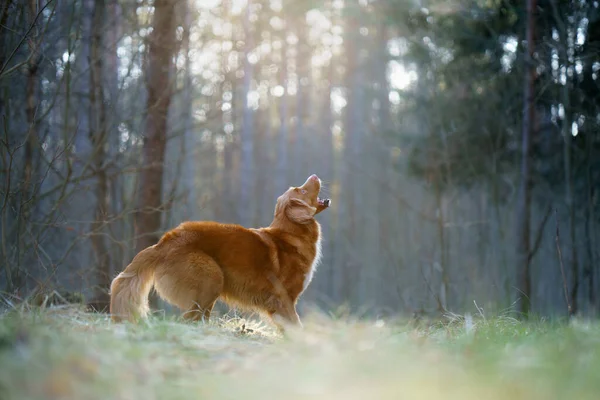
point(458, 141)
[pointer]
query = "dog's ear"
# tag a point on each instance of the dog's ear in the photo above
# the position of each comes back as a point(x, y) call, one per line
point(299, 211)
point(279, 205)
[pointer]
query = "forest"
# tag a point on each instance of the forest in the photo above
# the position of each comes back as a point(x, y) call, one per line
point(458, 141)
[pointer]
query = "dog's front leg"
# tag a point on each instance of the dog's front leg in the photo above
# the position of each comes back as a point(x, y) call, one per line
point(283, 313)
point(285, 317)
point(285, 322)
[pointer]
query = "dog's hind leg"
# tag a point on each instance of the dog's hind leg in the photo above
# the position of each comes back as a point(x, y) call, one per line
point(200, 310)
point(193, 282)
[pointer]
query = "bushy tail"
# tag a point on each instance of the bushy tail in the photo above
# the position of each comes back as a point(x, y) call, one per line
point(129, 290)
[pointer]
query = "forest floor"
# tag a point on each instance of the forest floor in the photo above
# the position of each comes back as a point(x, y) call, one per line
point(65, 353)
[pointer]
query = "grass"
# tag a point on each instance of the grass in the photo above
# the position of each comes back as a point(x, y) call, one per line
point(65, 353)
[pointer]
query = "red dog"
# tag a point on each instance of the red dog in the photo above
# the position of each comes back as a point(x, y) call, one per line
point(195, 264)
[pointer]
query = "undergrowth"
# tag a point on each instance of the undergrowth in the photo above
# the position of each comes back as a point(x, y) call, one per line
point(62, 352)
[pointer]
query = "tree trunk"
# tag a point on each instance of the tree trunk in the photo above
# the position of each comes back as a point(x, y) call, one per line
point(383, 89)
point(282, 144)
point(590, 231)
point(378, 168)
point(32, 83)
point(262, 190)
point(572, 242)
point(301, 149)
point(247, 138)
point(98, 138)
point(353, 129)
point(162, 44)
point(329, 286)
point(189, 142)
point(441, 236)
point(524, 197)
point(116, 227)
point(223, 178)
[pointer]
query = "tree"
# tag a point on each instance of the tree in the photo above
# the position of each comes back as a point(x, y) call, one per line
point(247, 134)
point(282, 141)
point(158, 83)
point(99, 138)
point(563, 51)
point(302, 140)
point(31, 143)
point(523, 212)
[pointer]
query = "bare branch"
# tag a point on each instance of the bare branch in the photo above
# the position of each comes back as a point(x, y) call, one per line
point(12, 54)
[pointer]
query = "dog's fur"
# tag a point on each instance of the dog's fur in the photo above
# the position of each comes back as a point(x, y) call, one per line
point(264, 269)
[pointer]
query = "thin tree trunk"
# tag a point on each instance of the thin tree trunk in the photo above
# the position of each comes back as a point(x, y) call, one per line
point(117, 226)
point(262, 192)
point(31, 142)
point(354, 130)
point(282, 143)
point(189, 144)
point(98, 138)
point(265, 195)
point(301, 143)
point(223, 177)
point(344, 233)
point(506, 279)
point(379, 166)
point(247, 139)
point(162, 44)
point(567, 154)
point(328, 157)
point(572, 242)
point(441, 234)
point(524, 198)
point(383, 92)
point(260, 154)
point(590, 229)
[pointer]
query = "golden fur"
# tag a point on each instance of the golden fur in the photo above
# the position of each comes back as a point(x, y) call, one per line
point(264, 269)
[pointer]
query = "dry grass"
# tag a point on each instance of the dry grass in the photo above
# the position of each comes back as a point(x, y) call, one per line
point(64, 353)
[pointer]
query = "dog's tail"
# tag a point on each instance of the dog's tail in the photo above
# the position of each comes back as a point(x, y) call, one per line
point(129, 290)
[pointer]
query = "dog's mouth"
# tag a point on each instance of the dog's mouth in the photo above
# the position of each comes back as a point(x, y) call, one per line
point(323, 202)
point(311, 189)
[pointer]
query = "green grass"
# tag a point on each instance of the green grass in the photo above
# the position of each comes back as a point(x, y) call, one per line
point(64, 353)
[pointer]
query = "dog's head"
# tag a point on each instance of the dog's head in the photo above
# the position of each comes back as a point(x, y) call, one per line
point(301, 204)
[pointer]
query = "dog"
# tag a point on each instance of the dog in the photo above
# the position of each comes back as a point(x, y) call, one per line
point(197, 263)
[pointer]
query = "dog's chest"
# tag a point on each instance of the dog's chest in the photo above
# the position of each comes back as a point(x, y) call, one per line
point(311, 270)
